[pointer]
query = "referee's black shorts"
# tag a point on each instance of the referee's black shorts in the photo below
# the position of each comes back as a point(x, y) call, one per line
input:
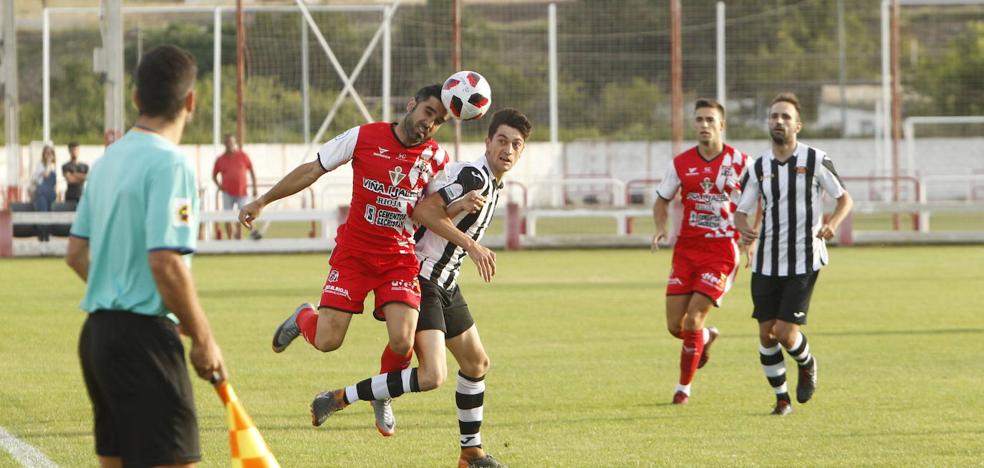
point(135, 373)
point(443, 310)
point(785, 298)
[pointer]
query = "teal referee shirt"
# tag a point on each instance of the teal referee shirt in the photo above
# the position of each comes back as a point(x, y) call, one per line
point(140, 196)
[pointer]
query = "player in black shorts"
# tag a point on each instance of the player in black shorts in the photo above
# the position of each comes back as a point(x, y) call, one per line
point(788, 182)
point(456, 212)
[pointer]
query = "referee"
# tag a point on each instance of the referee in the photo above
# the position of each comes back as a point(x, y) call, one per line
point(790, 181)
point(136, 224)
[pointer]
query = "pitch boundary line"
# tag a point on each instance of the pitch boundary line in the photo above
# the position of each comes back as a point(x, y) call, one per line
point(24, 453)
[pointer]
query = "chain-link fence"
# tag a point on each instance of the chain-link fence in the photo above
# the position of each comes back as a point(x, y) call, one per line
point(613, 65)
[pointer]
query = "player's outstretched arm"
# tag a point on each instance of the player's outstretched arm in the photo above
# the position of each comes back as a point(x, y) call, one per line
point(299, 179)
point(177, 290)
point(430, 213)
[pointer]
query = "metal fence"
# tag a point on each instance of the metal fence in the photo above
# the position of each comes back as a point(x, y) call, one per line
point(612, 62)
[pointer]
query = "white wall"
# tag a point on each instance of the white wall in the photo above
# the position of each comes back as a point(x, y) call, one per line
point(543, 166)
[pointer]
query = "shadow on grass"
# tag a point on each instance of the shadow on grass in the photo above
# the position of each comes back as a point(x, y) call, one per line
point(225, 293)
point(945, 331)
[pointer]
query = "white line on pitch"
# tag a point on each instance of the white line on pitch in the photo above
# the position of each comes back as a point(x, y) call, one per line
point(24, 453)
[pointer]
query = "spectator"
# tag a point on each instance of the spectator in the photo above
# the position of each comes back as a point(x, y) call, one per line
point(74, 172)
point(43, 186)
point(233, 166)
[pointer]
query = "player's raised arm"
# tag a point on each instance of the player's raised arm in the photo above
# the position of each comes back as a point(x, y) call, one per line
point(431, 213)
point(336, 152)
point(300, 178)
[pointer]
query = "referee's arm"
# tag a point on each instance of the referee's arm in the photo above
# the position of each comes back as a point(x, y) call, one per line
point(177, 290)
point(77, 256)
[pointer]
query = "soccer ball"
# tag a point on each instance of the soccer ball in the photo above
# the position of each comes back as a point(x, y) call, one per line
point(467, 95)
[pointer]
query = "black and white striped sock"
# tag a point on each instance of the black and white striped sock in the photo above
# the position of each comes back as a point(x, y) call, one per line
point(383, 386)
point(801, 351)
point(775, 370)
point(469, 396)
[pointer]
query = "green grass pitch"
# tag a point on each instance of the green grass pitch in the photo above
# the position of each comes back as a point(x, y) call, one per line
point(582, 368)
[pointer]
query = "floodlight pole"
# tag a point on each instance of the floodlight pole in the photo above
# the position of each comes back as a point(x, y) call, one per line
point(552, 45)
point(112, 21)
point(456, 65)
point(10, 101)
point(387, 62)
point(305, 82)
point(240, 72)
point(676, 78)
point(721, 65)
point(896, 107)
point(216, 79)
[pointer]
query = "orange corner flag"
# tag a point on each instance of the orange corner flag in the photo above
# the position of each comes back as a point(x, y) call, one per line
point(247, 445)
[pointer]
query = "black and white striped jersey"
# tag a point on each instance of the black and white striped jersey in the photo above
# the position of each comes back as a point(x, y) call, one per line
point(792, 209)
point(440, 259)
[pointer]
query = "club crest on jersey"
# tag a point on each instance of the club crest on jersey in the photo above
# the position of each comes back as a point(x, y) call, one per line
point(381, 153)
point(397, 175)
point(707, 185)
point(333, 276)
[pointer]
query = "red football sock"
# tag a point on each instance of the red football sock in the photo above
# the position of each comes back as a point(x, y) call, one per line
point(693, 347)
point(307, 320)
point(390, 361)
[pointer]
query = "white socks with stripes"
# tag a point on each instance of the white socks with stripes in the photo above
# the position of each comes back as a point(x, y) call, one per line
point(469, 397)
point(775, 370)
point(383, 386)
point(801, 351)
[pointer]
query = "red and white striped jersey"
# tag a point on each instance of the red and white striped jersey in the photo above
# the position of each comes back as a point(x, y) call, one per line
point(709, 191)
point(387, 182)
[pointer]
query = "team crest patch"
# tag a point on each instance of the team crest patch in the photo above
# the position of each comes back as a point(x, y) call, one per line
point(333, 276)
point(181, 212)
point(397, 175)
point(707, 185)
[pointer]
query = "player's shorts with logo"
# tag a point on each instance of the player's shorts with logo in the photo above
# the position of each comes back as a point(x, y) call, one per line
point(786, 298)
point(706, 266)
point(443, 310)
point(393, 278)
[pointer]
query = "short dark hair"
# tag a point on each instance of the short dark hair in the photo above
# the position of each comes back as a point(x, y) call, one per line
point(429, 91)
point(164, 77)
point(709, 103)
point(787, 97)
point(512, 118)
point(73, 144)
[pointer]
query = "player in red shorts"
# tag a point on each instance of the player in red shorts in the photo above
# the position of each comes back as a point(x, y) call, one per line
point(705, 257)
point(374, 248)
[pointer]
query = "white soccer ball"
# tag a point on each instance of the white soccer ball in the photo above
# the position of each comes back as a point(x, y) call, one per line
point(467, 95)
